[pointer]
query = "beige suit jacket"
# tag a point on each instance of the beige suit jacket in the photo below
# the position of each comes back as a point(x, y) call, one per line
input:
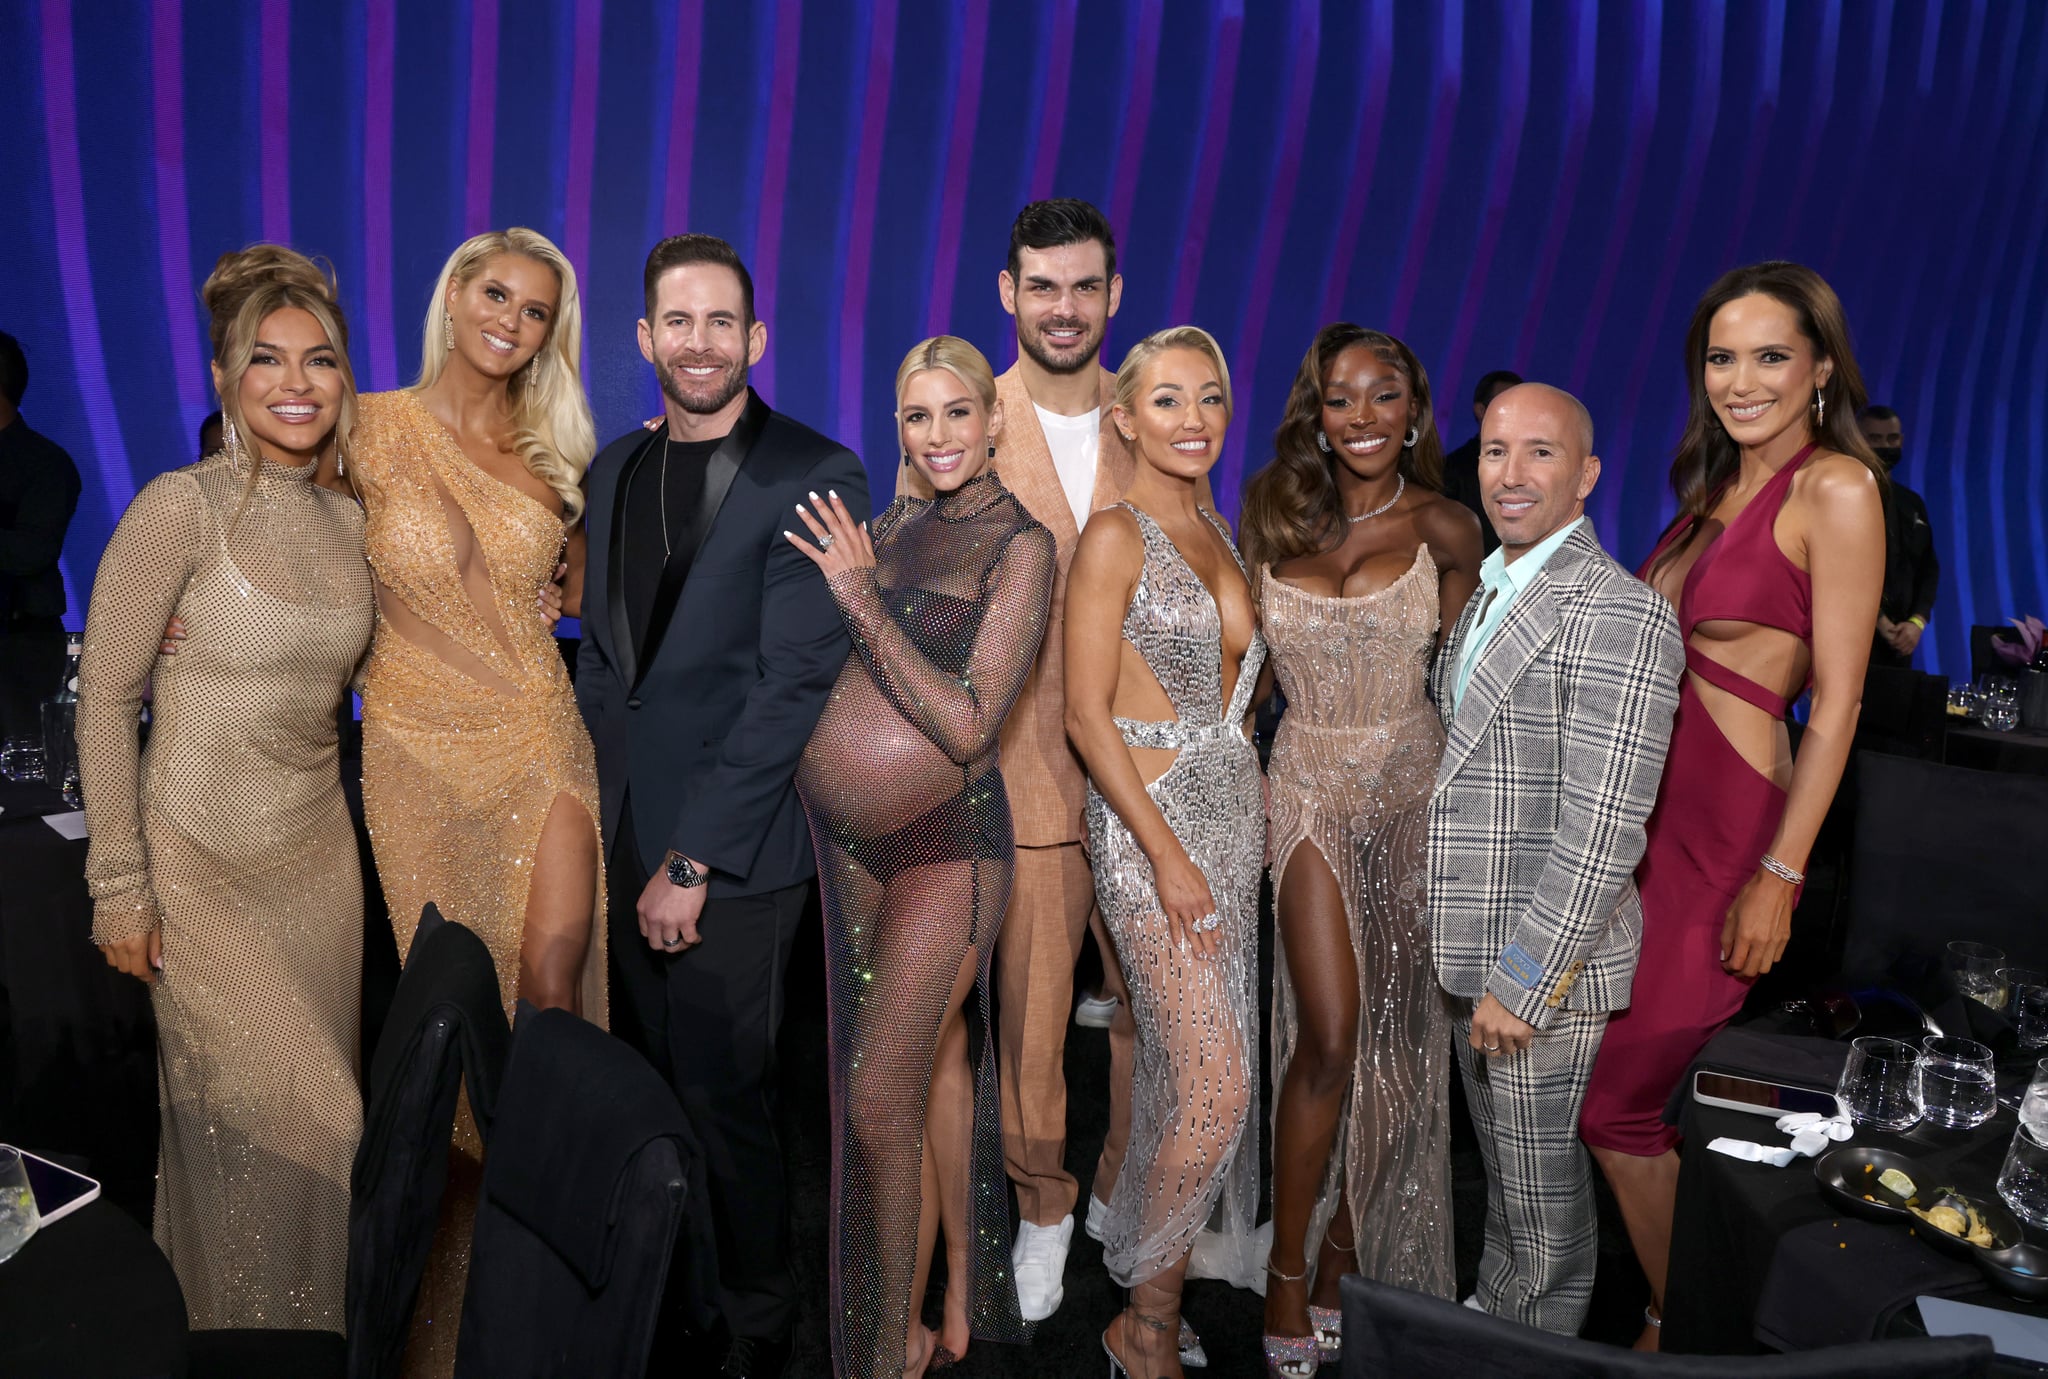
point(1046, 782)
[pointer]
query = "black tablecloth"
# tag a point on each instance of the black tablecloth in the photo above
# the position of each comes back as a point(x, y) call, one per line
point(91, 1297)
point(1760, 1260)
point(2021, 750)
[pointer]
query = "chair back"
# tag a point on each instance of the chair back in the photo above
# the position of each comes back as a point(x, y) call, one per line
point(1943, 853)
point(1905, 713)
point(1394, 1331)
point(583, 1193)
point(446, 1024)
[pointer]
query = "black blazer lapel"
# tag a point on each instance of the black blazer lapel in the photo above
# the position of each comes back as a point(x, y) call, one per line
point(719, 470)
point(623, 650)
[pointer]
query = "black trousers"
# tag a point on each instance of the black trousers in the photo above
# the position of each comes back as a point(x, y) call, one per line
point(31, 662)
point(707, 1019)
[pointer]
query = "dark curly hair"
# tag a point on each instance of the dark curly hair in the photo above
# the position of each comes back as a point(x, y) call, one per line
point(1291, 506)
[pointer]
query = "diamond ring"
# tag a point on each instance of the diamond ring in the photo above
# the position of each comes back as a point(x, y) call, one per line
point(1209, 921)
point(825, 542)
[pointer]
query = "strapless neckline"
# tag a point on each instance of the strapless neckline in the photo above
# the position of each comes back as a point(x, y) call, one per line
point(1422, 558)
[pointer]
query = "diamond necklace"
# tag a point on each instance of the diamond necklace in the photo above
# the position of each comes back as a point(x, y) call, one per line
point(1400, 484)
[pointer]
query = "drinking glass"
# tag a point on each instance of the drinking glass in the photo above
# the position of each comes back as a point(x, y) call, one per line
point(2028, 1004)
point(2023, 1182)
point(1998, 703)
point(18, 1219)
point(21, 758)
point(1958, 1089)
point(1975, 966)
point(2031, 1098)
point(1880, 1083)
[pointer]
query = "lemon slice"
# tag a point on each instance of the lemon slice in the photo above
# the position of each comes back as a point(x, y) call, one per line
point(1897, 1182)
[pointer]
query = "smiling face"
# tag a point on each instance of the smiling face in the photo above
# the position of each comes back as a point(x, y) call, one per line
point(1761, 371)
point(1535, 464)
point(944, 428)
point(1368, 406)
point(1062, 298)
point(290, 395)
point(1178, 413)
point(700, 340)
point(502, 316)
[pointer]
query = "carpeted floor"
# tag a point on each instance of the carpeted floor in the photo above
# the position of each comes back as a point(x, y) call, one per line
point(1068, 1343)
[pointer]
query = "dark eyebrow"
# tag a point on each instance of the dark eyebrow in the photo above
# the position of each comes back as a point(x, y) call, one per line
point(281, 349)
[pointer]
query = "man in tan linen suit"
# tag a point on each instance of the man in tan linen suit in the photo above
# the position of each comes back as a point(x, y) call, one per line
point(1061, 286)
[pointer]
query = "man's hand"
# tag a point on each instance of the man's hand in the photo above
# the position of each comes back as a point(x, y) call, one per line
point(668, 914)
point(1498, 1032)
point(1905, 637)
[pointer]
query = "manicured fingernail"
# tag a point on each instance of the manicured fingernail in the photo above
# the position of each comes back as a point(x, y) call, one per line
point(814, 495)
point(833, 494)
point(789, 534)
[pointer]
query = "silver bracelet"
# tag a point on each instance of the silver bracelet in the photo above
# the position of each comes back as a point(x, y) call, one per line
point(1781, 871)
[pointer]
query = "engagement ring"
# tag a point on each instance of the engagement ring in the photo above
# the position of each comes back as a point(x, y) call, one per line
point(825, 542)
point(1209, 921)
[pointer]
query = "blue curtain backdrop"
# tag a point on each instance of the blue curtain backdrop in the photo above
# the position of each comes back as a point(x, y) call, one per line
point(1544, 186)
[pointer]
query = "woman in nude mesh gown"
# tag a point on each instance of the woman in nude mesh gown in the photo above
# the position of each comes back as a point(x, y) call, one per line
point(479, 781)
point(911, 822)
point(1163, 651)
point(1361, 561)
point(223, 865)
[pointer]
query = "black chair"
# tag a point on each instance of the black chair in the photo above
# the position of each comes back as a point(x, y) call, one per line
point(1942, 853)
point(1393, 1331)
point(446, 1027)
point(1985, 661)
point(1905, 713)
point(584, 1189)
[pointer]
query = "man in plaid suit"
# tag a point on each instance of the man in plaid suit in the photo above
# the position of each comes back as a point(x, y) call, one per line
point(1557, 690)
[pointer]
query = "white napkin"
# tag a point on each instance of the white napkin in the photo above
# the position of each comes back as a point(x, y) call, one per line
point(1753, 1152)
point(1811, 1132)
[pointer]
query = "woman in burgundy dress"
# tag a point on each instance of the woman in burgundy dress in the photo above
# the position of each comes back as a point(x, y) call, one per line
point(1774, 564)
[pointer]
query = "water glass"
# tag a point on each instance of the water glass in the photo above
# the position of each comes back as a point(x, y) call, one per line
point(1998, 703)
point(18, 1218)
point(1975, 966)
point(2031, 1098)
point(1958, 1088)
point(2027, 1006)
point(2023, 1182)
point(1880, 1082)
point(21, 758)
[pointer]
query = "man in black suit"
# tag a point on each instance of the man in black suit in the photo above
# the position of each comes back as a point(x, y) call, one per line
point(38, 493)
point(1461, 466)
point(1912, 571)
point(709, 647)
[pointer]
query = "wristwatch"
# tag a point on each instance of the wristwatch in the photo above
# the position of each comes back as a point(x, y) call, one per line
point(683, 872)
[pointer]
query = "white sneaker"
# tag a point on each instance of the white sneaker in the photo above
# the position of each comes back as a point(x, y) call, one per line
point(1039, 1260)
point(1095, 1012)
point(1098, 1217)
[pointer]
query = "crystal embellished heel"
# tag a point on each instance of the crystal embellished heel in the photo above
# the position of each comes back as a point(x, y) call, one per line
point(1292, 1357)
point(1329, 1326)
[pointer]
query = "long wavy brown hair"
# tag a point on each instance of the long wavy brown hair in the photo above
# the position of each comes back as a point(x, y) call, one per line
point(1707, 455)
point(1291, 505)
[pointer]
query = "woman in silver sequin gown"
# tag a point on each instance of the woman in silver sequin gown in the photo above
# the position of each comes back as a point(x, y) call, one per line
point(911, 822)
point(1163, 651)
point(1360, 562)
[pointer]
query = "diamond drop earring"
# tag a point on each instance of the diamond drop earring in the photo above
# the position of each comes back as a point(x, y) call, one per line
point(447, 331)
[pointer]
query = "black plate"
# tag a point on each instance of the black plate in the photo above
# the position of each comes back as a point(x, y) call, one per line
point(1843, 1181)
point(2021, 1270)
point(2005, 1230)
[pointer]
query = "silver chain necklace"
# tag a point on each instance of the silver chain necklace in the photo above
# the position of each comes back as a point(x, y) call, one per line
point(1401, 483)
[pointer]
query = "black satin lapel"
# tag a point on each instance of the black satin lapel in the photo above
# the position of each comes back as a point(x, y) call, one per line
point(719, 472)
point(615, 571)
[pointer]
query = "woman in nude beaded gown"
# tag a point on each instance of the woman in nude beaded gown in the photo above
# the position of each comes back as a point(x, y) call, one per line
point(1163, 651)
point(479, 782)
point(1361, 562)
point(911, 822)
point(223, 864)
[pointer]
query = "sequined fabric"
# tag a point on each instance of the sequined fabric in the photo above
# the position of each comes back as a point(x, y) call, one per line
point(467, 744)
point(1353, 765)
point(911, 823)
point(231, 833)
point(1195, 1079)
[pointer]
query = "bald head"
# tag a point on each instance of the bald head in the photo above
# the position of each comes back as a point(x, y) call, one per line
point(1536, 463)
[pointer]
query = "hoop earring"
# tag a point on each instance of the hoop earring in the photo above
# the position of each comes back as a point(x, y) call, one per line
point(1322, 441)
point(447, 331)
point(1820, 408)
point(1414, 435)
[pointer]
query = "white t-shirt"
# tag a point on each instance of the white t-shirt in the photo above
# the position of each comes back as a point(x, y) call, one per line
point(1075, 443)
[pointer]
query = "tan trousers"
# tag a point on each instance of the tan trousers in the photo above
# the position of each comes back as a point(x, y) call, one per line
point(1051, 901)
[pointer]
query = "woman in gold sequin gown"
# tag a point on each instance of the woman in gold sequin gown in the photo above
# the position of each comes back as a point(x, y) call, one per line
point(1163, 650)
point(479, 783)
point(223, 864)
point(1361, 562)
point(904, 791)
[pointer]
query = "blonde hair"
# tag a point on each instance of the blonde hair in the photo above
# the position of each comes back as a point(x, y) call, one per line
point(245, 288)
point(1159, 342)
point(552, 429)
point(956, 357)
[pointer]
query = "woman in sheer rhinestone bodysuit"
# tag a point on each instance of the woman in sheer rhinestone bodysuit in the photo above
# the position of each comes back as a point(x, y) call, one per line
point(911, 822)
point(1361, 562)
point(1163, 651)
point(223, 865)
